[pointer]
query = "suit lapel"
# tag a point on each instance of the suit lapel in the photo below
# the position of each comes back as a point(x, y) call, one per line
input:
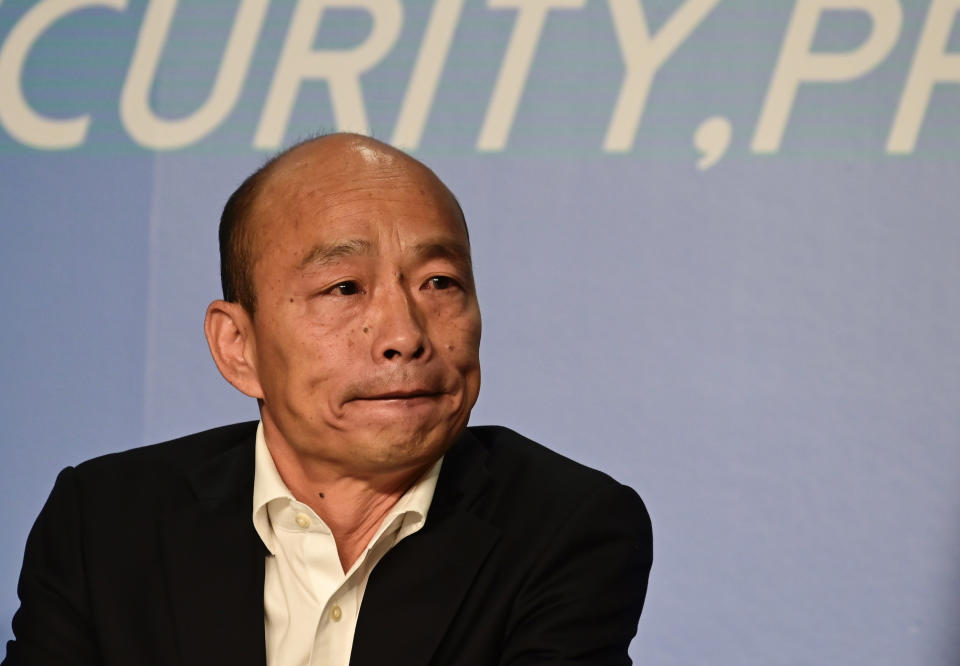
point(415, 590)
point(214, 565)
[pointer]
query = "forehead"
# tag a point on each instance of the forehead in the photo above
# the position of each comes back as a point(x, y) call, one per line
point(365, 194)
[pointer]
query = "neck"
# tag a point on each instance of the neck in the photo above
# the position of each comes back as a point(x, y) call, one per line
point(352, 506)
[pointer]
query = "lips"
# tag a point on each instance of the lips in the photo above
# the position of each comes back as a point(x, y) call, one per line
point(403, 394)
point(407, 384)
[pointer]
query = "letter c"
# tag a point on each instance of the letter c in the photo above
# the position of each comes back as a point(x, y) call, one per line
point(21, 121)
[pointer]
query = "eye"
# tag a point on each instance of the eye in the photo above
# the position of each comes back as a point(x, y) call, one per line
point(440, 282)
point(346, 288)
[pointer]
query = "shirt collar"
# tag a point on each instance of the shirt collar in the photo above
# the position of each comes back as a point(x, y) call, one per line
point(413, 505)
point(411, 509)
point(267, 486)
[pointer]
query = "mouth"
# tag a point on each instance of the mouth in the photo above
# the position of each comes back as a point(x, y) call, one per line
point(411, 394)
point(400, 403)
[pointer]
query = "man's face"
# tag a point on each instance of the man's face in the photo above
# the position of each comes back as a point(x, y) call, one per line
point(366, 332)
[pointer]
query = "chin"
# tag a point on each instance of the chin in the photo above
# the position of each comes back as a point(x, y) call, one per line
point(397, 447)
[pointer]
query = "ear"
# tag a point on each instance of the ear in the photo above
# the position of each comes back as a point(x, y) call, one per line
point(229, 332)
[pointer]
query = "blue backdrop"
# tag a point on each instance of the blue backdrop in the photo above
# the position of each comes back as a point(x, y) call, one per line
point(716, 243)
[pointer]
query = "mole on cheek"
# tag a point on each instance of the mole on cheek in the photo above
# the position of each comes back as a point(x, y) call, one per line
point(366, 329)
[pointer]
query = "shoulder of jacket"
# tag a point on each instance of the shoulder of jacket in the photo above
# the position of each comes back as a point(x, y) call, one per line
point(523, 467)
point(173, 455)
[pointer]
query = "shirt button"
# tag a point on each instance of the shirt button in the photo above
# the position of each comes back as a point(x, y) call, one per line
point(336, 613)
point(303, 520)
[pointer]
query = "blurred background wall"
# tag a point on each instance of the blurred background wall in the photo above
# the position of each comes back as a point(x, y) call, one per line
point(716, 243)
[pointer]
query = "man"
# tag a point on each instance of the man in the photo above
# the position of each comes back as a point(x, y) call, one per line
point(360, 521)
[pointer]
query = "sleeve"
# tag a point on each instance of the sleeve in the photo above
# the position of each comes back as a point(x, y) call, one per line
point(53, 624)
point(582, 603)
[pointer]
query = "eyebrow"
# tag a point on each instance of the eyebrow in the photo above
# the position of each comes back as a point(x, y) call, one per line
point(323, 254)
point(458, 253)
point(326, 253)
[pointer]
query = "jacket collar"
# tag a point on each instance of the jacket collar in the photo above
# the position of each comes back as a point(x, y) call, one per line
point(416, 588)
point(214, 564)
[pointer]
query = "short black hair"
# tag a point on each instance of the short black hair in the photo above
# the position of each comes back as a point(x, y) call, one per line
point(236, 238)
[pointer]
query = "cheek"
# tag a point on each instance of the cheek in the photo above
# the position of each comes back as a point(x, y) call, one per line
point(334, 332)
point(309, 355)
point(330, 353)
point(461, 339)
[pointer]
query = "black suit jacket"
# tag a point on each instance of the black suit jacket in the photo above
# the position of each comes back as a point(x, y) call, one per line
point(150, 557)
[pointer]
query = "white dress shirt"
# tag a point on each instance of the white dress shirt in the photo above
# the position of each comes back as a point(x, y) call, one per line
point(310, 605)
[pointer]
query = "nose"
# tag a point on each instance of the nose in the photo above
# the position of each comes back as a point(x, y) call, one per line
point(400, 333)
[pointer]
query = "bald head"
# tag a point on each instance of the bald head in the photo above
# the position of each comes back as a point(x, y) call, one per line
point(315, 172)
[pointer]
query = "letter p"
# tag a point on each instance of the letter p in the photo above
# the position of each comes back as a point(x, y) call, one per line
point(797, 63)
